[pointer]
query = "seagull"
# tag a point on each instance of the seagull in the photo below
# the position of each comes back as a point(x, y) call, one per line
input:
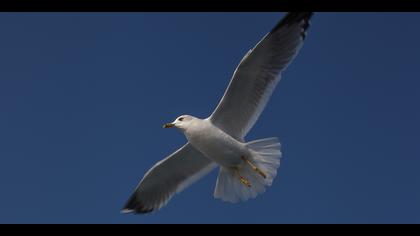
point(245, 168)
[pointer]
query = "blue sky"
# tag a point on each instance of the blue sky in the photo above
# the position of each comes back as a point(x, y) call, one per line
point(83, 97)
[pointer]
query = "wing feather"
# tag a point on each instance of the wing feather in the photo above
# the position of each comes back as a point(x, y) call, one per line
point(257, 75)
point(167, 177)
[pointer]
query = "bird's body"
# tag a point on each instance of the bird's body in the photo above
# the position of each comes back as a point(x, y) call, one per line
point(245, 168)
point(215, 144)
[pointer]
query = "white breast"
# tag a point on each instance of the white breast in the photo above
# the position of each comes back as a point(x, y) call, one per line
point(216, 144)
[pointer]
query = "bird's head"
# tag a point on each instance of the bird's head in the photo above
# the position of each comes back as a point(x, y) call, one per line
point(182, 122)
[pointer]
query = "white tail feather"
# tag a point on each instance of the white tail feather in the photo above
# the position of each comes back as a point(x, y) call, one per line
point(266, 156)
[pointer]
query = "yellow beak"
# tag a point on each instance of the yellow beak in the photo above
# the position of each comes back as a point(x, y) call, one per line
point(168, 125)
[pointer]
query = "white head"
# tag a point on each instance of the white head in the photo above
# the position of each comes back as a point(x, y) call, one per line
point(182, 122)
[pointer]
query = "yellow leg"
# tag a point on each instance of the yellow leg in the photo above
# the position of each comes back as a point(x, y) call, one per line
point(243, 180)
point(255, 168)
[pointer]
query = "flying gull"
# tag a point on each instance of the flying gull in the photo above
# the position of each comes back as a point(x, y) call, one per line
point(245, 168)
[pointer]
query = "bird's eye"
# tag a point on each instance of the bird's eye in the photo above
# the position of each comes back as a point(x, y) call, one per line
point(181, 118)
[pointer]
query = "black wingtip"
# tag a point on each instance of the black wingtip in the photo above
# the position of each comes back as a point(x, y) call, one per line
point(136, 211)
point(295, 18)
point(135, 206)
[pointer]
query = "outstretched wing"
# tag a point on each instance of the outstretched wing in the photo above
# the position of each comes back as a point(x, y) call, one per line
point(257, 74)
point(167, 177)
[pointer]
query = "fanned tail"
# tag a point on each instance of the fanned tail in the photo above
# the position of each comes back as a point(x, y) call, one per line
point(266, 156)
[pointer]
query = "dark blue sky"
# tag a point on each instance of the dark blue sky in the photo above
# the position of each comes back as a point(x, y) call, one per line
point(83, 97)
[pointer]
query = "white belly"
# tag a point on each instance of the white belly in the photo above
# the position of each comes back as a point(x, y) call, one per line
point(217, 145)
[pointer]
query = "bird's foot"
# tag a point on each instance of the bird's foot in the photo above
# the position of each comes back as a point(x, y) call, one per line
point(255, 168)
point(244, 181)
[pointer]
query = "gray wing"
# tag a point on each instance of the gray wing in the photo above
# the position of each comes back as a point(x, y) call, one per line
point(167, 177)
point(257, 74)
